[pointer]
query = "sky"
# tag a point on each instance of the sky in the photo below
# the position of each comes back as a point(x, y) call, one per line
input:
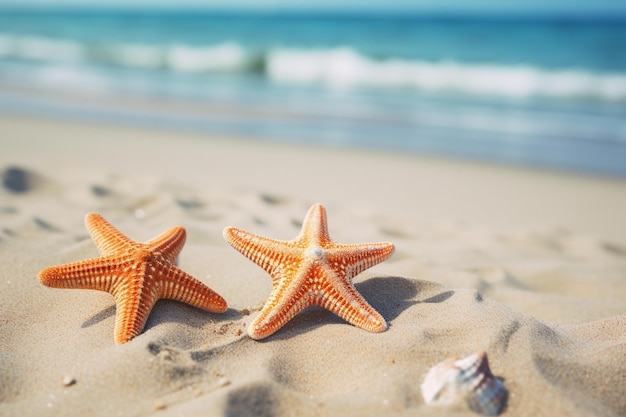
point(604, 7)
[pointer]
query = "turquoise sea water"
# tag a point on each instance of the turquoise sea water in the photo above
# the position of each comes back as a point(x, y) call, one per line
point(536, 91)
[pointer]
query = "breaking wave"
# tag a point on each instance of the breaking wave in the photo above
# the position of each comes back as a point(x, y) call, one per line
point(345, 68)
point(336, 68)
point(177, 57)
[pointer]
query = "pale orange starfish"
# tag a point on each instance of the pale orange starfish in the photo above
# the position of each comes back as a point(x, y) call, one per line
point(136, 274)
point(311, 270)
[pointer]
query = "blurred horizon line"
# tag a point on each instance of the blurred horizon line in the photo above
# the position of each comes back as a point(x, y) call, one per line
point(408, 13)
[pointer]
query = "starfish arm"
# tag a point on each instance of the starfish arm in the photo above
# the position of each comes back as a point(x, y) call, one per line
point(283, 304)
point(92, 274)
point(276, 257)
point(176, 284)
point(133, 306)
point(169, 243)
point(345, 301)
point(107, 238)
point(351, 260)
point(314, 227)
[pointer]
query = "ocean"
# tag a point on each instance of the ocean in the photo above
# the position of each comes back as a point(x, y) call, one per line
point(536, 91)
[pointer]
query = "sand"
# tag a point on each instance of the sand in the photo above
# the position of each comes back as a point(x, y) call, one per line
point(528, 265)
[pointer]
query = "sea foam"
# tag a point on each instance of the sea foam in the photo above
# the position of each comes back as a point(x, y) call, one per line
point(39, 48)
point(339, 68)
point(223, 57)
point(344, 68)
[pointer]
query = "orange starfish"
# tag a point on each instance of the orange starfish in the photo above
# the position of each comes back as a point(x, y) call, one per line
point(311, 270)
point(136, 274)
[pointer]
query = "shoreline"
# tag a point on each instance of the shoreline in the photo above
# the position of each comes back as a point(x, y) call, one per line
point(548, 136)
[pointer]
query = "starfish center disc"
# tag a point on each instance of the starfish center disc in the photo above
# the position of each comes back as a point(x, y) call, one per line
point(314, 252)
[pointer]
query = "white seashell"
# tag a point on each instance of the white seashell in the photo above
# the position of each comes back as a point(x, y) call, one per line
point(68, 380)
point(468, 378)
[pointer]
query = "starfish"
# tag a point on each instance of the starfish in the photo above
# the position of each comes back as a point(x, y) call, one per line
point(136, 274)
point(311, 270)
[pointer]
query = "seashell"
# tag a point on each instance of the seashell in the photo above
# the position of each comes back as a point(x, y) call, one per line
point(467, 378)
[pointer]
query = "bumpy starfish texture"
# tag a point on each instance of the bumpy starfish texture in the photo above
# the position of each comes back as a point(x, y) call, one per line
point(311, 270)
point(136, 274)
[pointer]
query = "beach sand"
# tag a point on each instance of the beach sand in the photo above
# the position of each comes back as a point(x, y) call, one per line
point(528, 265)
